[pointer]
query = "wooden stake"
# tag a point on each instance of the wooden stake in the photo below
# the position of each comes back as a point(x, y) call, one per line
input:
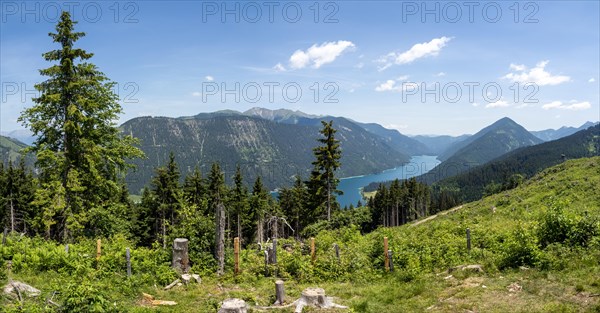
point(98, 249)
point(313, 255)
point(236, 254)
point(337, 251)
point(128, 257)
point(468, 239)
point(386, 257)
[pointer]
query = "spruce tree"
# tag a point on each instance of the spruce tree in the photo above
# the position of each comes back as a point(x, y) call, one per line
point(239, 203)
point(194, 190)
point(323, 182)
point(259, 207)
point(167, 196)
point(17, 188)
point(79, 149)
point(217, 191)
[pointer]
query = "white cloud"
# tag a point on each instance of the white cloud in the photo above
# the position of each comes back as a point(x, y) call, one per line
point(319, 55)
point(498, 104)
point(420, 50)
point(440, 74)
point(563, 106)
point(209, 78)
point(360, 65)
point(475, 104)
point(591, 80)
point(279, 67)
point(517, 67)
point(537, 75)
point(196, 94)
point(390, 85)
point(403, 77)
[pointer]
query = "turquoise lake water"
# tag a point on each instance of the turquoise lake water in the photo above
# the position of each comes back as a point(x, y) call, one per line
point(352, 186)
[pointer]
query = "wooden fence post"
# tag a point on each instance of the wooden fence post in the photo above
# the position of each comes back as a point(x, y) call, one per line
point(236, 254)
point(313, 255)
point(468, 239)
point(385, 254)
point(98, 249)
point(337, 251)
point(128, 257)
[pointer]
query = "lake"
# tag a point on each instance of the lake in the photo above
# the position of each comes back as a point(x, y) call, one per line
point(352, 186)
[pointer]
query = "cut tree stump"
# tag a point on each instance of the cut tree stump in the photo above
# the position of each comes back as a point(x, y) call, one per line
point(315, 297)
point(233, 306)
point(279, 292)
point(181, 260)
point(473, 268)
point(16, 288)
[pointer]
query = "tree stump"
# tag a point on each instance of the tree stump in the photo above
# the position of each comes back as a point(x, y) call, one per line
point(181, 260)
point(314, 296)
point(233, 306)
point(279, 292)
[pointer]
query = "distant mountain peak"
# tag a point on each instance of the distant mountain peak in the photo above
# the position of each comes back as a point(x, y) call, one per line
point(553, 134)
point(277, 114)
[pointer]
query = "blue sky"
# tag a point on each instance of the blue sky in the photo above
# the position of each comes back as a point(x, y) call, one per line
point(372, 61)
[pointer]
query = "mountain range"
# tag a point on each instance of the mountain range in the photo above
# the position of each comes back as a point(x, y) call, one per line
point(499, 138)
point(525, 161)
point(277, 145)
point(553, 134)
point(276, 151)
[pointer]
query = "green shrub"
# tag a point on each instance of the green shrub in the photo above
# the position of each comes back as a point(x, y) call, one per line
point(558, 226)
point(519, 249)
point(87, 298)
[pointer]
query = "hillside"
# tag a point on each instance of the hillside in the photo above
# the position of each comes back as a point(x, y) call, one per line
point(276, 151)
point(503, 129)
point(534, 249)
point(525, 161)
point(437, 145)
point(398, 141)
point(553, 134)
point(392, 137)
point(10, 149)
point(491, 142)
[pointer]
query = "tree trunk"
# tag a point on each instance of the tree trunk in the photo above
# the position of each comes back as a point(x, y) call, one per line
point(220, 238)
point(12, 215)
point(164, 232)
point(239, 226)
point(259, 231)
point(328, 200)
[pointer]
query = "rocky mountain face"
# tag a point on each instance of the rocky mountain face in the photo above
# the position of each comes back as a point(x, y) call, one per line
point(276, 151)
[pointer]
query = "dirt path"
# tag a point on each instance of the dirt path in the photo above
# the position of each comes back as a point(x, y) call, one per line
point(435, 215)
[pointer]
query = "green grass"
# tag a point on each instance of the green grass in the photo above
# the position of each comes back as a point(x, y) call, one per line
point(559, 277)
